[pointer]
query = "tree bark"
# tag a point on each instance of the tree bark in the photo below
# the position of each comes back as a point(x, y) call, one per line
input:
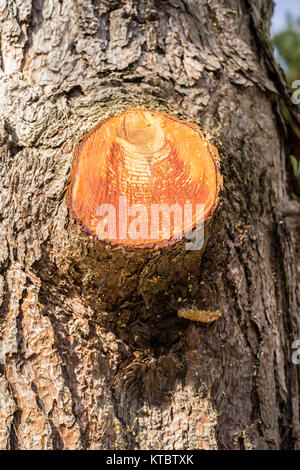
point(74, 376)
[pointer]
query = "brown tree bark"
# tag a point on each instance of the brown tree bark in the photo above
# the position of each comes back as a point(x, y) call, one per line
point(140, 377)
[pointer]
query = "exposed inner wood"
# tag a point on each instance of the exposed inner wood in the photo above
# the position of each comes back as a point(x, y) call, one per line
point(149, 159)
point(141, 133)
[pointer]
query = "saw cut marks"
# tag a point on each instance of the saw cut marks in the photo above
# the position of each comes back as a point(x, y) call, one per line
point(138, 169)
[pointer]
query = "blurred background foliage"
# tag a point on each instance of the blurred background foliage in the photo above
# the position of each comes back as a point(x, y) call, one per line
point(287, 52)
point(287, 43)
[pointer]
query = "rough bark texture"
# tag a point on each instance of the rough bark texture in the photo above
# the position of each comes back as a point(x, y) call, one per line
point(78, 378)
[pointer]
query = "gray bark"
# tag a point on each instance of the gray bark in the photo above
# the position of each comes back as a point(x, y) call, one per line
point(76, 377)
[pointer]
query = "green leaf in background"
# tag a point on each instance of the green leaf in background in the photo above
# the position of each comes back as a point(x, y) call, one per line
point(296, 170)
point(288, 46)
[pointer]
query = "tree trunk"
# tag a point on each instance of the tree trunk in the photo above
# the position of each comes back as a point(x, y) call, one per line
point(74, 376)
